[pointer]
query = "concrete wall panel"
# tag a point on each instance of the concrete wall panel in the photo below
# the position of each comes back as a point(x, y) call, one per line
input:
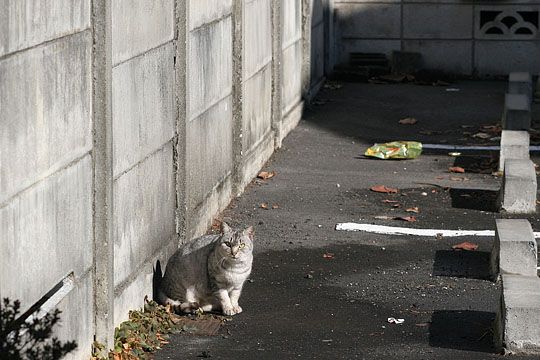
point(209, 156)
point(292, 70)
point(291, 22)
point(496, 57)
point(317, 54)
point(132, 297)
point(202, 12)
point(257, 100)
point(448, 55)
point(257, 39)
point(140, 25)
point(26, 23)
point(437, 21)
point(47, 233)
point(144, 212)
point(45, 102)
point(209, 66)
point(317, 12)
point(382, 21)
point(143, 106)
point(77, 318)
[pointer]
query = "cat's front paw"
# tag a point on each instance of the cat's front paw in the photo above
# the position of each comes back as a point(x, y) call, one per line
point(228, 311)
point(237, 309)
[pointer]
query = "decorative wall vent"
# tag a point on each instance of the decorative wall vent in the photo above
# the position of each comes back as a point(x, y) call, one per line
point(508, 24)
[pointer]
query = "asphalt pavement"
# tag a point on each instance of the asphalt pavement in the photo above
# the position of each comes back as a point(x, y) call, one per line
point(318, 293)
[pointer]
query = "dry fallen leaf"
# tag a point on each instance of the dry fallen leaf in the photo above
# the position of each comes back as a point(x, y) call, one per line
point(413, 210)
point(275, 206)
point(408, 121)
point(266, 175)
point(328, 255)
point(481, 135)
point(465, 246)
point(390, 201)
point(406, 218)
point(264, 206)
point(456, 169)
point(383, 189)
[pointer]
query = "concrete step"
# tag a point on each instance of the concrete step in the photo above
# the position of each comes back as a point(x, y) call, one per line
point(517, 327)
point(515, 249)
point(517, 112)
point(518, 190)
point(514, 145)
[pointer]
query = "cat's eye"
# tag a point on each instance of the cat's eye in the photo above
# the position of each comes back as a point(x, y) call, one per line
point(227, 243)
point(242, 245)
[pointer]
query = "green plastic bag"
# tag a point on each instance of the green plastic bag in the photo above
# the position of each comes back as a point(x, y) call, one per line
point(395, 150)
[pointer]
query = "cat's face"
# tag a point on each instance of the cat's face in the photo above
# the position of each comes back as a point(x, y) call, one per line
point(236, 244)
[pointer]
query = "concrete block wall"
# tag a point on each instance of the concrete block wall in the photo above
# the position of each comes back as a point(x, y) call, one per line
point(291, 57)
point(143, 129)
point(464, 37)
point(126, 126)
point(257, 133)
point(318, 14)
point(46, 158)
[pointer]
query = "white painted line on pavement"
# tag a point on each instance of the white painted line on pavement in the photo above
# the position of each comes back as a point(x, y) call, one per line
point(394, 230)
point(472, 147)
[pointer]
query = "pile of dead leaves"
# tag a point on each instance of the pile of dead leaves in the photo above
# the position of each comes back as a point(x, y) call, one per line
point(145, 332)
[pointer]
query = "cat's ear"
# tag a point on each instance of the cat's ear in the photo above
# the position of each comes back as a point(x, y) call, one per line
point(249, 232)
point(225, 228)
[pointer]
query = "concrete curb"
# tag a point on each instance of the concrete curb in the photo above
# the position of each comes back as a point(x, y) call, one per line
point(516, 326)
point(518, 191)
point(520, 83)
point(515, 249)
point(517, 112)
point(514, 145)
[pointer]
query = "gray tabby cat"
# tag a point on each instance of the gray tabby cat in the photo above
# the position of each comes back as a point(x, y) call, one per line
point(209, 272)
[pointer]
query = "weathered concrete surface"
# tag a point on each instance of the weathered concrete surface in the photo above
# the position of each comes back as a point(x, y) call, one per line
point(77, 318)
point(131, 293)
point(514, 249)
point(139, 26)
point(514, 145)
point(291, 22)
point(292, 81)
point(143, 106)
point(209, 66)
point(517, 323)
point(437, 21)
point(452, 36)
point(520, 83)
point(47, 233)
point(503, 57)
point(26, 23)
point(517, 112)
point(45, 122)
point(257, 37)
point(206, 11)
point(518, 190)
point(256, 117)
point(450, 55)
point(363, 20)
point(144, 212)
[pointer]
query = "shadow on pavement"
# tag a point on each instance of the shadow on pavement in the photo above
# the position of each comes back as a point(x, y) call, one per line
point(462, 330)
point(475, 199)
point(462, 264)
